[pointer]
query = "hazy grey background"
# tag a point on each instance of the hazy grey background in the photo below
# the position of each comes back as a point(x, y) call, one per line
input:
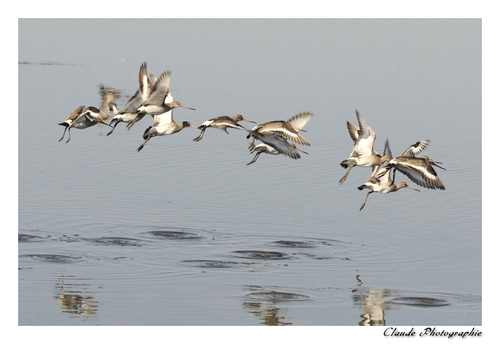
point(410, 79)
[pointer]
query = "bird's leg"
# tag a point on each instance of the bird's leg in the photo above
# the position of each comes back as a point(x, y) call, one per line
point(64, 133)
point(252, 144)
point(131, 124)
point(346, 174)
point(199, 137)
point(112, 129)
point(143, 144)
point(69, 134)
point(135, 120)
point(363, 205)
point(254, 158)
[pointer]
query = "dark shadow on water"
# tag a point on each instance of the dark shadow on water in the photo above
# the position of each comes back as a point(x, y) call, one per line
point(214, 264)
point(294, 244)
point(28, 237)
point(173, 233)
point(419, 301)
point(264, 255)
point(55, 258)
point(176, 235)
point(120, 241)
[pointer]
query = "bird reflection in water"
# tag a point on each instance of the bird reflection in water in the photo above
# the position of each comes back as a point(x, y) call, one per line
point(266, 304)
point(373, 302)
point(268, 312)
point(71, 299)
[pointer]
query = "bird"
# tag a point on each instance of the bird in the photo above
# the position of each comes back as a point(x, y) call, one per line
point(419, 170)
point(380, 180)
point(363, 153)
point(222, 123)
point(414, 149)
point(160, 99)
point(71, 121)
point(82, 117)
point(129, 114)
point(163, 124)
point(276, 134)
point(265, 148)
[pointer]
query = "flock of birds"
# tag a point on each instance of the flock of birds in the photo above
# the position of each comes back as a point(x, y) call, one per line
point(418, 169)
point(154, 98)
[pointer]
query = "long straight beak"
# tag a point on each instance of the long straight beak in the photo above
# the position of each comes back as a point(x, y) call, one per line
point(434, 162)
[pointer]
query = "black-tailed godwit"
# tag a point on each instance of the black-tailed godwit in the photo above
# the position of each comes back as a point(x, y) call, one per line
point(363, 153)
point(265, 148)
point(163, 124)
point(222, 123)
point(380, 180)
point(276, 134)
point(160, 99)
point(419, 170)
point(85, 118)
point(129, 114)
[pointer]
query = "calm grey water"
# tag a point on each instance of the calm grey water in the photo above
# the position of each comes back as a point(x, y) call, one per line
point(184, 233)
